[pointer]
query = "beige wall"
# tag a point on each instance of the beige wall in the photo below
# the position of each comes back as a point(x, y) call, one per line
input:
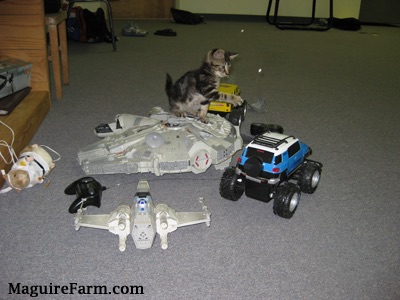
point(294, 8)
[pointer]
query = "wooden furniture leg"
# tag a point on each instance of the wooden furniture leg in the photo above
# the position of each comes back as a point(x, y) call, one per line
point(62, 34)
point(56, 24)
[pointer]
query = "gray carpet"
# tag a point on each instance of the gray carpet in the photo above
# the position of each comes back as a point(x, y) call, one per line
point(338, 91)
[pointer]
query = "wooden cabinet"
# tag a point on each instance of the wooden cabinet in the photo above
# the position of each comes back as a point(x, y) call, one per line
point(23, 36)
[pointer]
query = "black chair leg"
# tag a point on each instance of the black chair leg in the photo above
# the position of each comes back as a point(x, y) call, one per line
point(111, 23)
point(300, 26)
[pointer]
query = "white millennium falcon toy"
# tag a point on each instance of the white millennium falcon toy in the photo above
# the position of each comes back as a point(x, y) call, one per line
point(161, 143)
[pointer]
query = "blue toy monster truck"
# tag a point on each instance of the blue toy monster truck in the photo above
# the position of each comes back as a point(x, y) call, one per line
point(273, 166)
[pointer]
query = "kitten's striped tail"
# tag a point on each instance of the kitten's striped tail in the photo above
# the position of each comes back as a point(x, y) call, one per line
point(168, 85)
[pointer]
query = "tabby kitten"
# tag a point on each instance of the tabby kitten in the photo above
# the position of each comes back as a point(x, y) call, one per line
point(191, 94)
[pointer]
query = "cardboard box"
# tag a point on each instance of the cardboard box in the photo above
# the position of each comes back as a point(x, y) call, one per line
point(15, 75)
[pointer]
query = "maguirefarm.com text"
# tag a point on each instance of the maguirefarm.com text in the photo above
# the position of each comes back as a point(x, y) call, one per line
point(73, 288)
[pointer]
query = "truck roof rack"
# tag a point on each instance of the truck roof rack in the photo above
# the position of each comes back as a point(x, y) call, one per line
point(270, 141)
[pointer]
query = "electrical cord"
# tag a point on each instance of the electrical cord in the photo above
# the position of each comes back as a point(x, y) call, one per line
point(10, 149)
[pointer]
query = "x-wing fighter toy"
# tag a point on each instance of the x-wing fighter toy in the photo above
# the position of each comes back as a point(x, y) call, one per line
point(142, 220)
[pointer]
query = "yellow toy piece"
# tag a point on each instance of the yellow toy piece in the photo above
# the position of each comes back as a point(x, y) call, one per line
point(233, 114)
point(220, 106)
point(228, 88)
point(217, 106)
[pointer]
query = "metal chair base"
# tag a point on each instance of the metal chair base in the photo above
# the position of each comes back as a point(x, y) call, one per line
point(308, 25)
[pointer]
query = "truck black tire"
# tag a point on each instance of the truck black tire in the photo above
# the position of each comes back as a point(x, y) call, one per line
point(286, 200)
point(259, 128)
point(235, 117)
point(228, 187)
point(310, 177)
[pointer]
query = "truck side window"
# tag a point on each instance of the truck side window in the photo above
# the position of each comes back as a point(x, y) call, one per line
point(292, 150)
point(278, 159)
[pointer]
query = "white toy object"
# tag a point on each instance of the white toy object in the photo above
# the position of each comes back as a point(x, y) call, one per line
point(161, 143)
point(33, 164)
point(143, 220)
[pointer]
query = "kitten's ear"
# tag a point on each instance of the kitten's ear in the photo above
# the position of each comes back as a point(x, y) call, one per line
point(219, 54)
point(232, 55)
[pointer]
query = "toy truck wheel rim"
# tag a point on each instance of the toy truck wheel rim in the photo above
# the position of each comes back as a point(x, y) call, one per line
point(286, 200)
point(244, 108)
point(310, 178)
point(294, 202)
point(229, 187)
point(315, 179)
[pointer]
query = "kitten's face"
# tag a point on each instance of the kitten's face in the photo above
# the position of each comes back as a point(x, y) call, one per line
point(220, 60)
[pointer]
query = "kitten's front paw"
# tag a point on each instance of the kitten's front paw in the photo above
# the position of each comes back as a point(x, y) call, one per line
point(237, 101)
point(179, 114)
point(183, 115)
point(205, 120)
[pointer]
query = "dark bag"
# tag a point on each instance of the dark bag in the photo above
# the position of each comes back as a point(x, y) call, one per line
point(73, 29)
point(346, 24)
point(186, 17)
point(88, 27)
point(52, 6)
